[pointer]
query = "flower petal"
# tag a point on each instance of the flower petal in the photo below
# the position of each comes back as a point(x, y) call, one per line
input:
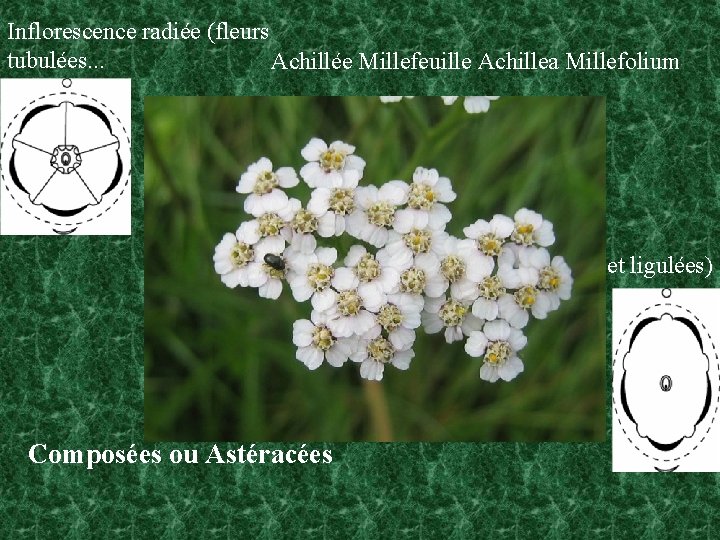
point(402, 338)
point(287, 177)
point(372, 370)
point(310, 356)
point(395, 192)
point(476, 344)
point(335, 356)
point(323, 300)
point(345, 279)
point(485, 309)
point(512, 367)
point(489, 373)
point(313, 149)
point(502, 226)
point(302, 332)
point(497, 330)
point(402, 359)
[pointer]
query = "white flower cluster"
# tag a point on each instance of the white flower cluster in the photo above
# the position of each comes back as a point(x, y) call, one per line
point(367, 307)
point(472, 104)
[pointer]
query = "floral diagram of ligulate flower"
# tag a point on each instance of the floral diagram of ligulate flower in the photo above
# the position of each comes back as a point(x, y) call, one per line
point(404, 274)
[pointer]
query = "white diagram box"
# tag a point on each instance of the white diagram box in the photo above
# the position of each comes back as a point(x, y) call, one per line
point(65, 157)
point(666, 380)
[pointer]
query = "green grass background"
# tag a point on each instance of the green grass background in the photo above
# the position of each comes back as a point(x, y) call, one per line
point(220, 364)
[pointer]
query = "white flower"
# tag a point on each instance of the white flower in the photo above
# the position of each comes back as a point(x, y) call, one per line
point(372, 273)
point(301, 228)
point(555, 277)
point(462, 266)
point(375, 211)
point(499, 344)
point(455, 317)
point(272, 215)
point(268, 272)
point(260, 180)
point(478, 104)
point(486, 295)
point(490, 236)
point(417, 241)
point(398, 317)
point(531, 228)
point(349, 313)
point(414, 255)
point(310, 276)
point(483, 287)
point(510, 263)
point(427, 191)
point(234, 255)
point(393, 99)
point(395, 256)
point(331, 206)
point(380, 351)
point(514, 306)
point(315, 343)
point(331, 166)
point(422, 277)
point(472, 104)
point(519, 264)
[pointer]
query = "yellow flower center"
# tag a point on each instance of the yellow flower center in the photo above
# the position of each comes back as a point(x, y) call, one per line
point(489, 244)
point(381, 214)
point(380, 350)
point(367, 269)
point(389, 317)
point(526, 296)
point(452, 313)
point(349, 303)
point(523, 234)
point(241, 254)
point(332, 160)
point(452, 267)
point(322, 338)
point(342, 201)
point(412, 281)
point(491, 288)
point(319, 276)
point(497, 352)
point(274, 272)
point(266, 181)
point(421, 197)
point(304, 222)
point(549, 279)
point(270, 224)
point(418, 240)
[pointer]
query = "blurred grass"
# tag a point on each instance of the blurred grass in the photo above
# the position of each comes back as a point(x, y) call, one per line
point(220, 364)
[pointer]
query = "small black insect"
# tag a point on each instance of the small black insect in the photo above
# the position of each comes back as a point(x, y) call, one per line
point(275, 261)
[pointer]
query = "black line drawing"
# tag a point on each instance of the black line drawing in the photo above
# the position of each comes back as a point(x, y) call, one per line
point(661, 345)
point(665, 382)
point(65, 159)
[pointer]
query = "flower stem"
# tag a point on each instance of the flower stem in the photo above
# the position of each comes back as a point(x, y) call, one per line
point(379, 413)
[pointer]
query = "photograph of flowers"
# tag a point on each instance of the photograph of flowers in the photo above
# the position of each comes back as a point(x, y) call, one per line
point(390, 268)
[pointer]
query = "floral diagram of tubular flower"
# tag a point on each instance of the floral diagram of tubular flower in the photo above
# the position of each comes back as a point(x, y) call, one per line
point(65, 157)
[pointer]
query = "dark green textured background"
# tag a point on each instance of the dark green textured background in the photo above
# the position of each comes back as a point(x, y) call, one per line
point(71, 308)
